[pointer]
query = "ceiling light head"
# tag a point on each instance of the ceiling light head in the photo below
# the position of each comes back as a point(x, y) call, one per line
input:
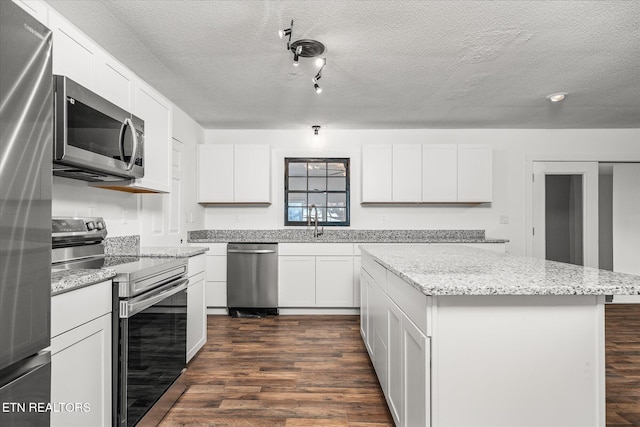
point(317, 88)
point(316, 129)
point(284, 33)
point(557, 97)
point(295, 60)
point(321, 62)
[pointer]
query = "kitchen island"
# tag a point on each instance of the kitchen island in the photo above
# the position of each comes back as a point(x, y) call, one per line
point(467, 337)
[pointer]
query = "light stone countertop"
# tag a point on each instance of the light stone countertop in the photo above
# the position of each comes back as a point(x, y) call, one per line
point(69, 280)
point(459, 270)
point(332, 235)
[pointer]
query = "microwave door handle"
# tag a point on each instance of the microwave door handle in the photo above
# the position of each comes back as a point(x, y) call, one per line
point(132, 160)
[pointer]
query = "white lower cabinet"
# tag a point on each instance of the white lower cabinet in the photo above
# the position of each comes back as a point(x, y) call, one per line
point(196, 306)
point(415, 376)
point(81, 357)
point(216, 276)
point(399, 349)
point(296, 281)
point(334, 281)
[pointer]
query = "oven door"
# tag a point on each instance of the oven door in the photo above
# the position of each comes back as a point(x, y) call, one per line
point(152, 347)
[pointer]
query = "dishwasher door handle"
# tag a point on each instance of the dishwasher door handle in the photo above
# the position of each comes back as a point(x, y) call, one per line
point(251, 251)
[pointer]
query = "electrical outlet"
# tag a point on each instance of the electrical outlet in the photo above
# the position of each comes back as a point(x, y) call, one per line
point(385, 218)
point(504, 219)
point(236, 218)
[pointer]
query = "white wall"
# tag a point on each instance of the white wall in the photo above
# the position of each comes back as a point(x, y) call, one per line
point(512, 148)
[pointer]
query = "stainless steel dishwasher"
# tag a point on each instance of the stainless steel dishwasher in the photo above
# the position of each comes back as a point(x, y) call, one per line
point(252, 279)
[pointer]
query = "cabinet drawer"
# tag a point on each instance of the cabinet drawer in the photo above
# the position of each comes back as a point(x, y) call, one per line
point(375, 270)
point(74, 308)
point(315, 249)
point(410, 300)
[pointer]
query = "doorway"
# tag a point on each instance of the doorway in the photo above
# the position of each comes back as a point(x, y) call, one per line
point(565, 212)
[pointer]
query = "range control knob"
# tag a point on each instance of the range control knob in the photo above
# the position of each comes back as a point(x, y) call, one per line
point(91, 225)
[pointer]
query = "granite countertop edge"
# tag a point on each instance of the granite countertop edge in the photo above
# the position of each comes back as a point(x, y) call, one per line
point(514, 290)
point(337, 240)
point(161, 252)
point(63, 281)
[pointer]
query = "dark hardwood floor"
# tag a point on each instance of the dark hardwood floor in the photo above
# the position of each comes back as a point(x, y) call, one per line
point(314, 371)
point(281, 371)
point(622, 332)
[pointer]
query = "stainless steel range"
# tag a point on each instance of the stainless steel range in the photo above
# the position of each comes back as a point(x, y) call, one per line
point(150, 319)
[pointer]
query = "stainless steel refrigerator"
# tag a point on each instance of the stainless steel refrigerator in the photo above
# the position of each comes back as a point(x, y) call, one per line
point(26, 135)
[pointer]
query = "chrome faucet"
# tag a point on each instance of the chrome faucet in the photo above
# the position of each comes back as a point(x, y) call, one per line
point(316, 233)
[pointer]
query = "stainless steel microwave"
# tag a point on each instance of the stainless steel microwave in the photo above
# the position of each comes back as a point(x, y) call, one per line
point(94, 140)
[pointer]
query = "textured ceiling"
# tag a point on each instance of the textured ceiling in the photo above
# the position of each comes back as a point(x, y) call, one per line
point(390, 64)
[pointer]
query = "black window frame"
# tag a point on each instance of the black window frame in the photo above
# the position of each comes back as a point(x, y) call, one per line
point(347, 191)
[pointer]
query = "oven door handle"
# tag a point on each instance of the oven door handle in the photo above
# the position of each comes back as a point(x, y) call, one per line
point(129, 308)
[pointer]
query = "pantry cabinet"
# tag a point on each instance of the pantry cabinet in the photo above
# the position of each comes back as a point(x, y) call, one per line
point(239, 173)
point(81, 355)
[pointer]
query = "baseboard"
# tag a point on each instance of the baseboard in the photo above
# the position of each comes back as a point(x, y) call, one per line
point(319, 311)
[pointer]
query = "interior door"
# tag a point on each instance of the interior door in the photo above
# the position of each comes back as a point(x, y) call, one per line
point(565, 212)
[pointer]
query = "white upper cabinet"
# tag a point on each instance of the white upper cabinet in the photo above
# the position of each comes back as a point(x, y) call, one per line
point(475, 173)
point(155, 110)
point(234, 173)
point(113, 81)
point(377, 173)
point(427, 173)
point(439, 173)
point(73, 52)
point(215, 172)
point(407, 173)
point(252, 173)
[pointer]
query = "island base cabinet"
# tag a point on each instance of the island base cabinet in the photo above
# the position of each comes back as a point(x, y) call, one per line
point(81, 375)
point(416, 382)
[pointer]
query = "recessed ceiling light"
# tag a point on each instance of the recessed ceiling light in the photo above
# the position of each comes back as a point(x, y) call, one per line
point(557, 97)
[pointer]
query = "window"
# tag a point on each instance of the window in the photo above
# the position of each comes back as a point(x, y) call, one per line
point(320, 182)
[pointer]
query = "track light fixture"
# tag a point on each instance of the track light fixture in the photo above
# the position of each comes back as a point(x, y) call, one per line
point(305, 48)
point(321, 62)
point(286, 32)
point(316, 129)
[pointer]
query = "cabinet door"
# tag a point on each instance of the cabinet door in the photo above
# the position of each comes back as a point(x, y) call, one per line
point(364, 309)
point(334, 281)
point(371, 285)
point(416, 375)
point(394, 347)
point(377, 173)
point(73, 52)
point(252, 173)
point(81, 373)
point(475, 173)
point(407, 173)
point(378, 313)
point(113, 81)
point(439, 173)
point(196, 315)
point(296, 281)
point(357, 265)
point(216, 281)
point(155, 110)
point(215, 173)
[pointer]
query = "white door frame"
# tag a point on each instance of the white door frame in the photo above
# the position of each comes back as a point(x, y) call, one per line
point(589, 173)
point(559, 157)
